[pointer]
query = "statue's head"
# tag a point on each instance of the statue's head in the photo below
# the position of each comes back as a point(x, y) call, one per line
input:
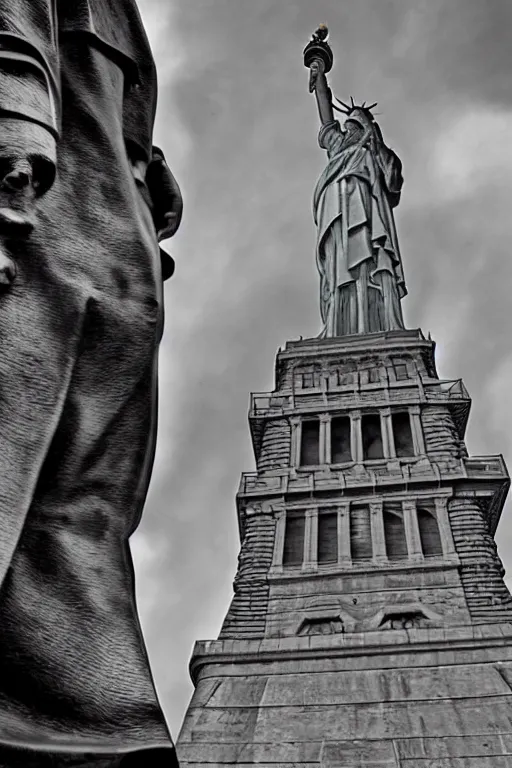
point(357, 113)
point(360, 116)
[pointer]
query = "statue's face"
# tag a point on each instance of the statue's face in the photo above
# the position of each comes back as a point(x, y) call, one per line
point(359, 118)
point(352, 126)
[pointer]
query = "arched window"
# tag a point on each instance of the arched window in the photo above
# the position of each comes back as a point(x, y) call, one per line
point(372, 436)
point(402, 434)
point(293, 552)
point(394, 532)
point(429, 533)
point(360, 533)
point(310, 443)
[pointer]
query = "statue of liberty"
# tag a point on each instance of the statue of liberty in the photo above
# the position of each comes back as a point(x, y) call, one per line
point(361, 276)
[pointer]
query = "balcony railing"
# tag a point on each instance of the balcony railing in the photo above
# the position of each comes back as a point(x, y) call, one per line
point(450, 390)
point(485, 466)
point(270, 404)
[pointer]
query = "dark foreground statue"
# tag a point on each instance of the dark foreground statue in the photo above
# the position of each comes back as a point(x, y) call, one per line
point(84, 198)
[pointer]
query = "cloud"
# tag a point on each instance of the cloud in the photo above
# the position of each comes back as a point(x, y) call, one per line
point(471, 152)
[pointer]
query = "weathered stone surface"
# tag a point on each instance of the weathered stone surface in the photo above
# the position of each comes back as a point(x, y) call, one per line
point(285, 713)
point(481, 569)
point(275, 446)
point(441, 437)
point(489, 745)
point(247, 613)
point(369, 686)
point(290, 599)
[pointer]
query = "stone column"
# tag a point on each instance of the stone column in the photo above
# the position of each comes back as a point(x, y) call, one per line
point(356, 437)
point(325, 438)
point(445, 529)
point(417, 430)
point(344, 552)
point(388, 440)
point(296, 425)
point(412, 531)
point(378, 537)
point(311, 540)
point(277, 560)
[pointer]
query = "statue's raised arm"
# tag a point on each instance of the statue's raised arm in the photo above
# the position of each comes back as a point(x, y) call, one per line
point(361, 276)
point(318, 57)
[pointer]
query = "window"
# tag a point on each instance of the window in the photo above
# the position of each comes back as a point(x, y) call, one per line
point(308, 377)
point(400, 368)
point(346, 374)
point(360, 533)
point(327, 537)
point(403, 435)
point(345, 379)
point(310, 443)
point(373, 375)
point(429, 533)
point(394, 531)
point(372, 436)
point(293, 552)
point(340, 440)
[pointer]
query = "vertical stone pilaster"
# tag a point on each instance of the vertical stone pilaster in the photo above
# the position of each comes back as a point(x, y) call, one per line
point(417, 431)
point(296, 425)
point(310, 540)
point(443, 522)
point(325, 438)
point(277, 560)
point(388, 440)
point(378, 536)
point(412, 532)
point(344, 551)
point(356, 437)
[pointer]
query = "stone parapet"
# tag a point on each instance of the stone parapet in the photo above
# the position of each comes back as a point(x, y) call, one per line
point(431, 641)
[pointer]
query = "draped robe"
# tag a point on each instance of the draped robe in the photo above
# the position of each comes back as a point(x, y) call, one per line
point(79, 335)
point(358, 257)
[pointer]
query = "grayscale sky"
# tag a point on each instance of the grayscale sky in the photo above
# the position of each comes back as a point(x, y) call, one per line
point(239, 130)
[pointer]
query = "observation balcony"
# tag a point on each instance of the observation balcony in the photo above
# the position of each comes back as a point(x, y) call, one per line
point(487, 476)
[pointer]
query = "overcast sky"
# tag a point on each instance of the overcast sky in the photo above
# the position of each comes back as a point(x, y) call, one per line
point(239, 129)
